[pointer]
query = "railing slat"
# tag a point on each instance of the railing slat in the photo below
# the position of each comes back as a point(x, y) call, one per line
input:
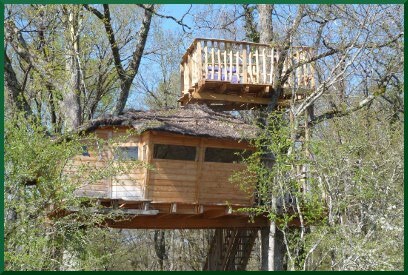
point(250, 68)
point(219, 61)
point(225, 64)
point(257, 65)
point(237, 72)
point(272, 65)
point(231, 61)
point(212, 61)
point(264, 66)
point(205, 59)
point(244, 66)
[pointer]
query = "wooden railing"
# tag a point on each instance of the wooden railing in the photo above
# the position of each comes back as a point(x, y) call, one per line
point(243, 63)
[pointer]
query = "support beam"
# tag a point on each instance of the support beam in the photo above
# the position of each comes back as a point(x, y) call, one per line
point(177, 221)
point(229, 98)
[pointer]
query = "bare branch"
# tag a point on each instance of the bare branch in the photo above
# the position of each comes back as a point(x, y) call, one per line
point(178, 21)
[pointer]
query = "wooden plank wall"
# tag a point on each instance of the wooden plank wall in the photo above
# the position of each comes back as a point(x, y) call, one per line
point(172, 180)
point(177, 181)
point(130, 184)
point(97, 160)
point(215, 186)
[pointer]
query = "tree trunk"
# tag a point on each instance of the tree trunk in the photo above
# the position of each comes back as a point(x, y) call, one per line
point(14, 88)
point(71, 105)
point(135, 62)
point(265, 23)
point(160, 247)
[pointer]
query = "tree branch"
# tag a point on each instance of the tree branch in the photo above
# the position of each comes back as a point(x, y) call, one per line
point(337, 113)
point(178, 21)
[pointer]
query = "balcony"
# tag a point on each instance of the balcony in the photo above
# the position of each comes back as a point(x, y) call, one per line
point(231, 75)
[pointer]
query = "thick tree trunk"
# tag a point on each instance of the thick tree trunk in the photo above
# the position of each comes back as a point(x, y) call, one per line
point(265, 23)
point(14, 88)
point(134, 64)
point(71, 105)
point(160, 247)
point(273, 248)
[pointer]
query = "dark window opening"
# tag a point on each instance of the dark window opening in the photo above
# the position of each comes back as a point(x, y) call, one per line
point(85, 151)
point(225, 155)
point(126, 153)
point(175, 152)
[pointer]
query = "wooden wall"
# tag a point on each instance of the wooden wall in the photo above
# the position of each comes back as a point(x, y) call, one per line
point(195, 181)
point(167, 181)
point(82, 168)
point(130, 184)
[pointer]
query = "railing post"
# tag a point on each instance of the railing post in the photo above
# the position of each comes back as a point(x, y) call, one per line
point(205, 60)
point(219, 60)
point(257, 65)
point(199, 62)
point(225, 63)
point(264, 65)
point(231, 61)
point(244, 66)
point(212, 60)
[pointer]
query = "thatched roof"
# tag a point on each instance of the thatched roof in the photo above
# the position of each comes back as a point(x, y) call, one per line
point(192, 120)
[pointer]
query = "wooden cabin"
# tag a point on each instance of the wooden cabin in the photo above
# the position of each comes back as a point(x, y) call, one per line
point(191, 153)
point(231, 75)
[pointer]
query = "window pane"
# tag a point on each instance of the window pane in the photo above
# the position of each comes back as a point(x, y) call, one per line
point(176, 152)
point(126, 153)
point(85, 151)
point(225, 155)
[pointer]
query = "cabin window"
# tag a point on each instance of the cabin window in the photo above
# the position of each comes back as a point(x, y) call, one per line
point(126, 153)
point(175, 152)
point(225, 155)
point(85, 151)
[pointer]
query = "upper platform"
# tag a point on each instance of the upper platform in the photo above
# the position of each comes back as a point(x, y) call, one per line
point(232, 75)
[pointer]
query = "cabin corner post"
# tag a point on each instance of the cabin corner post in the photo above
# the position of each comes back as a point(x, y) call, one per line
point(110, 156)
point(149, 156)
point(200, 160)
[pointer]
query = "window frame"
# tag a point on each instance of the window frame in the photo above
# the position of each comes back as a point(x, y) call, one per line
point(118, 147)
point(241, 150)
point(196, 153)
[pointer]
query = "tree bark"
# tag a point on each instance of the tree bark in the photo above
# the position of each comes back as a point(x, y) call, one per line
point(14, 88)
point(71, 104)
point(160, 247)
point(265, 23)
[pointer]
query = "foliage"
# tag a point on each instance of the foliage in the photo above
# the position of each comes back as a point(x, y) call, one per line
point(38, 236)
point(352, 210)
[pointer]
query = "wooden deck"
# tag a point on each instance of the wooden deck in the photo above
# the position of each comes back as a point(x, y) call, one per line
point(231, 75)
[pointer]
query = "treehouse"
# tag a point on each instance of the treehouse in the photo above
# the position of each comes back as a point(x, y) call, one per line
point(188, 154)
point(230, 75)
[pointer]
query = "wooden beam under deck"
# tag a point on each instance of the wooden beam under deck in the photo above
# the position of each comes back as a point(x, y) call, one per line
point(183, 221)
point(226, 96)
